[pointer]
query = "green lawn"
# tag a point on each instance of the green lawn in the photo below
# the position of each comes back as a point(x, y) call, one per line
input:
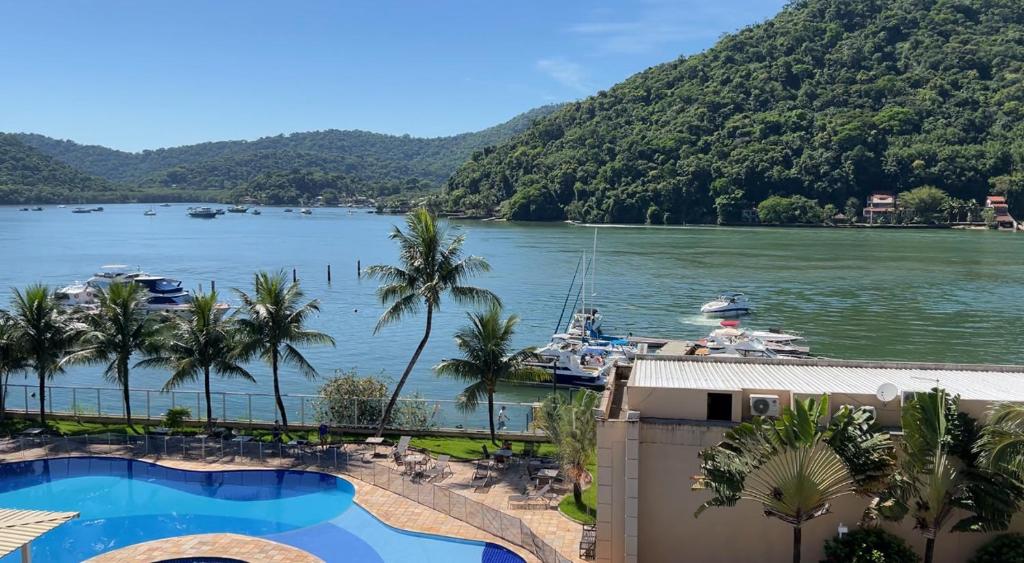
point(585, 513)
point(467, 448)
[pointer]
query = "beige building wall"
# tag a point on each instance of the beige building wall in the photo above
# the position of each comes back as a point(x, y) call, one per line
point(669, 532)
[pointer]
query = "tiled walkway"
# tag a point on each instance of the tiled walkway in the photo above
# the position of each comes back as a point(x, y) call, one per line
point(245, 548)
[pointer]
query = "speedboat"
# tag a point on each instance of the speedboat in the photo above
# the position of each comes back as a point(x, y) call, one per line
point(62, 206)
point(219, 211)
point(571, 368)
point(165, 205)
point(257, 212)
point(149, 213)
point(306, 211)
point(97, 209)
point(202, 213)
point(23, 209)
point(37, 209)
point(730, 302)
point(81, 210)
point(77, 294)
point(238, 209)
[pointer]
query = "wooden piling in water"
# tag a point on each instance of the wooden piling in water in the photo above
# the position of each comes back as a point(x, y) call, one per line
point(295, 275)
point(359, 269)
point(213, 286)
point(328, 273)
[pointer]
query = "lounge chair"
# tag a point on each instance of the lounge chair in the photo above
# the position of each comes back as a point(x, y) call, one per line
point(482, 470)
point(530, 499)
point(439, 468)
point(398, 452)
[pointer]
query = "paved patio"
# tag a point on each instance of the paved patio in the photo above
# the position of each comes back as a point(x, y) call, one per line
point(245, 548)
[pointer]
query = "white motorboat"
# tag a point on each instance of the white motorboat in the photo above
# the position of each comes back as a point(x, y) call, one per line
point(306, 211)
point(586, 321)
point(570, 368)
point(149, 213)
point(78, 294)
point(730, 302)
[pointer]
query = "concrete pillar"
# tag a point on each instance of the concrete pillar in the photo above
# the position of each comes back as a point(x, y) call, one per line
point(632, 487)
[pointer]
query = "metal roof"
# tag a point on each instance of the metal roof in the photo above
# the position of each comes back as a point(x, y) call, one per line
point(19, 527)
point(818, 377)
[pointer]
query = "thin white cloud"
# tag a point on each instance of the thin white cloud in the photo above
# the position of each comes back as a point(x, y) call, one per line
point(565, 72)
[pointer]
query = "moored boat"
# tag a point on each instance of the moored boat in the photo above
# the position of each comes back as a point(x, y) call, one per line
point(149, 213)
point(81, 210)
point(306, 211)
point(202, 213)
point(257, 212)
point(238, 209)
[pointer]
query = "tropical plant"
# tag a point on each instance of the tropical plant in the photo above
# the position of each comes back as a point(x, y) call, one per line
point(351, 400)
point(119, 327)
point(200, 343)
point(795, 467)
point(487, 360)
point(939, 475)
point(572, 428)
point(868, 545)
point(272, 322)
point(45, 333)
point(175, 417)
point(1001, 445)
point(432, 266)
point(1004, 548)
point(12, 358)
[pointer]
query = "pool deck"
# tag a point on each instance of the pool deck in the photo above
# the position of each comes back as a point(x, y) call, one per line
point(245, 548)
point(393, 509)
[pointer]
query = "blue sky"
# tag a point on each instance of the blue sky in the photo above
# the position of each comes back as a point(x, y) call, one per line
point(147, 74)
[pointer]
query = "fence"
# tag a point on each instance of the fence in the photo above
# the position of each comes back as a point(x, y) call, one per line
point(409, 414)
point(436, 497)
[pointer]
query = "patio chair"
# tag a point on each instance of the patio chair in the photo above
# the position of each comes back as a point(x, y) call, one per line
point(529, 499)
point(482, 470)
point(588, 543)
point(439, 468)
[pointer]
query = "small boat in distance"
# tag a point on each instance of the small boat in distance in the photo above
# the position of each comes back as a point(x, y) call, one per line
point(306, 211)
point(23, 209)
point(257, 212)
point(220, 211)
point(288, 210)
point(238, 209)
point(202, 213)
point(81, 210)
point(37, 209)
point(97, 209)
point(149, 213)
point(728, 303)
point(61, 206)
point(165, 205)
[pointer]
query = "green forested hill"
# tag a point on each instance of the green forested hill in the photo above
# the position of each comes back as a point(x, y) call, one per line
point(831, 99)
point(370, 157)
point(28, 175)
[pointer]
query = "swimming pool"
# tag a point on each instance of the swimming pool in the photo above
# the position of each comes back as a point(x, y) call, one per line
point(124, 501)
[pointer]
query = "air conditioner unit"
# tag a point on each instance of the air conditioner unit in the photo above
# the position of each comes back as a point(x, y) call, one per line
point(870, 409)
point(764, 405)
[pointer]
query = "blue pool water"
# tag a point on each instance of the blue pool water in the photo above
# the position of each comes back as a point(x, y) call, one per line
point(123, 502)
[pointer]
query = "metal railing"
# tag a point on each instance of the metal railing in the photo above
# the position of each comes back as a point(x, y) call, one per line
point(248, 408)
point(335, 459)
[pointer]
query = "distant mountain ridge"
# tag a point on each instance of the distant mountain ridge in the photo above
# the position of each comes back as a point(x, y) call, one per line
point(26, 174)
point(829, 100)
point(371, 157)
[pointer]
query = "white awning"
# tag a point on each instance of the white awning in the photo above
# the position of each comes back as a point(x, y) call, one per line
point(19, 527)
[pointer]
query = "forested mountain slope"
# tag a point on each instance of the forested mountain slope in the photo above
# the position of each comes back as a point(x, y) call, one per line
point(370, 157)
point(831, 99)
point(27, 174)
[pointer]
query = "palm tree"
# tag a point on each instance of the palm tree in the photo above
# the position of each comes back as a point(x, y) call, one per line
point(795, 468)
point(486, 360)
point(431, 267)
point(12, 358)
point(272, 322)
point(201, 342)
point(939, 474)
point(1001, 446)
point(45, 333)
point(572, 428)
point(118, 328)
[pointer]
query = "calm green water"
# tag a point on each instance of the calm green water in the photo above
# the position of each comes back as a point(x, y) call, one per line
point(902, 295)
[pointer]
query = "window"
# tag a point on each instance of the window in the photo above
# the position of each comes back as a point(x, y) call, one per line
point(719, 406)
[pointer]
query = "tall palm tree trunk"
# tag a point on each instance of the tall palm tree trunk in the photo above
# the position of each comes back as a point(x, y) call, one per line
point(122, 368)
point(490, 414)
point(277, 390)
point(42, 397)
point(929, 550)
point(405, 375)
point(797, 540)
point(206, 388)
point(3, 396)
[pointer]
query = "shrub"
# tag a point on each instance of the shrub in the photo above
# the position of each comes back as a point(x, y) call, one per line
point(351, 400)
point(1005, 548)
point(175, 418)
point(868, 545)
